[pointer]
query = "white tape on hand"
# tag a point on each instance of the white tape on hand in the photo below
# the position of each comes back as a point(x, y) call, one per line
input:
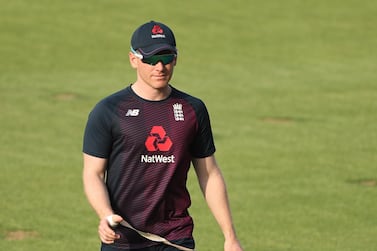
point(111, 222)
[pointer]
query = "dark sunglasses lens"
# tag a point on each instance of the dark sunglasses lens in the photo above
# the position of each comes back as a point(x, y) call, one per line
point(165, 59)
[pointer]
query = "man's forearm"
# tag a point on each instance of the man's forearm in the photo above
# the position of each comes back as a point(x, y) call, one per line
point(216, 196)
point(97, 195)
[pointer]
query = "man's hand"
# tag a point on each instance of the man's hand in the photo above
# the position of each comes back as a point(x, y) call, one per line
point(105, 229)
point(233, 245)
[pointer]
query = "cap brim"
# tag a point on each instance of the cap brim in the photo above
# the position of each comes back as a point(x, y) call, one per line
point(156, 48)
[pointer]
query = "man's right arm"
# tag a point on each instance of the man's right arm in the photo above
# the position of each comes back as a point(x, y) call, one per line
point(97, 195)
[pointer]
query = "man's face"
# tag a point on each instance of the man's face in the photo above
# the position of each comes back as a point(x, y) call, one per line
point(155, 76)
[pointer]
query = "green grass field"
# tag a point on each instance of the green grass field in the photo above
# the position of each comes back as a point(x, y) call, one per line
point(290, 86)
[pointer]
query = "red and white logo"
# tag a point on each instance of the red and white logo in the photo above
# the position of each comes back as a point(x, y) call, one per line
point(157, 32)
point(157, 29)
point(158, 140)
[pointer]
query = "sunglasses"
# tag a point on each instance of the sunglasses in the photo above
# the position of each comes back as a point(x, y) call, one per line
point(153, 60)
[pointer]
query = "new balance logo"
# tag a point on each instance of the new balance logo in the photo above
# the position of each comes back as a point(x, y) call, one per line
point(132, 113)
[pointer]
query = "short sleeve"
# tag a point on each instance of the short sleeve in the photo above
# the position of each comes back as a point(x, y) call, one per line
point(97, 139)
point(203, 145)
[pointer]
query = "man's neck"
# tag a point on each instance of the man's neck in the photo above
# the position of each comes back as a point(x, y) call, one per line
point(149, 93)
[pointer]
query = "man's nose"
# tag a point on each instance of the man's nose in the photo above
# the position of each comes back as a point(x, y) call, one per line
point(159, 65)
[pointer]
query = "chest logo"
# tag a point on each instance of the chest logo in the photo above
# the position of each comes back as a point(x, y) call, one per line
point(158, 140)
point(132, 113)
point(178, 112)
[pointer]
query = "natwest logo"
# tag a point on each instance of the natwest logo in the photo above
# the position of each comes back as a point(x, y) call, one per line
point(157, 159)
point(158, 140)
point(157, 29)
point(157, 32)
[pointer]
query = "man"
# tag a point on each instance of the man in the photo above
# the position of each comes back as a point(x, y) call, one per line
point(138, 146)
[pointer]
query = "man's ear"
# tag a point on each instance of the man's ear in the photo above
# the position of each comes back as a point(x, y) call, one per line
point(133, 60)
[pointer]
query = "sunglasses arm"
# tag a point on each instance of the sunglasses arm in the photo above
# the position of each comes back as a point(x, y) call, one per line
point(137, 54)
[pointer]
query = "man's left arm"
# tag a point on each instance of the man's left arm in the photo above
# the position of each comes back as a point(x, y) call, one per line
point(214, 190)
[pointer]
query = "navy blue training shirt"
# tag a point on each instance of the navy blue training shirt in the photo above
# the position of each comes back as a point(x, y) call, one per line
point(149, 146)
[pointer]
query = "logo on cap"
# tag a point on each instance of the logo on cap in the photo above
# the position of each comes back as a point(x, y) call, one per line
point(157, 32)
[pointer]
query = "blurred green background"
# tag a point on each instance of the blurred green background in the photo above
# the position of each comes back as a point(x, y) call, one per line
point(290, 86)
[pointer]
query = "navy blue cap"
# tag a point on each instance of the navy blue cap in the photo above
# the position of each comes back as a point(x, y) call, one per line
point(152, 38)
